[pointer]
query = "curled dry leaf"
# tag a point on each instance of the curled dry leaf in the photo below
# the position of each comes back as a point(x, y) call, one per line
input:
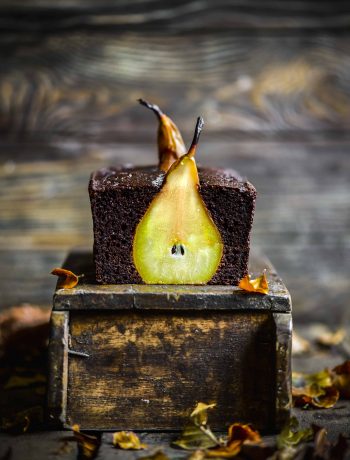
point(68, 279)
point(238, 435)
point(341, 379)
point(88, 444)
point(315, 396)
point(194, 438)
point(291, 436)
point(259, 284)
point(199, 414)
point(127, 440)
point(197, 434)
point(314, 390)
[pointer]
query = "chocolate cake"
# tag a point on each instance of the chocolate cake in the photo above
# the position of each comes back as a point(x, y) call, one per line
point(120, 197)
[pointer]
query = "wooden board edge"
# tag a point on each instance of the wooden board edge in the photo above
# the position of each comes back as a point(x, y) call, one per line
point(57, 370)
point(283, 325)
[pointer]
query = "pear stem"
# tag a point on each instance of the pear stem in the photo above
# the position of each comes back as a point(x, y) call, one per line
point(197, 133)
point(152, 107)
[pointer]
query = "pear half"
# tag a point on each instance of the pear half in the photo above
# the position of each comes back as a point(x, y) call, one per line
point(176, 241)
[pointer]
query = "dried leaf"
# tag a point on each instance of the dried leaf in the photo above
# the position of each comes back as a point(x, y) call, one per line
point(291, 436)
point(199, 414)
point(299, 344)
point(193, 438)
point(238, 434)
point(259, 284)
point(68, 279)
point(127, 440)
point(322, 379)
point(314, 390)
point(330, 339)
point(88, 444)
point(341, 379)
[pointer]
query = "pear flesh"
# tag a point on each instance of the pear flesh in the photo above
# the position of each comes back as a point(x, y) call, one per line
point(177, 242)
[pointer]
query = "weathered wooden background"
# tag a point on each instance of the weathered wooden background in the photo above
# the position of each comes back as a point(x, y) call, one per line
point(272, 80)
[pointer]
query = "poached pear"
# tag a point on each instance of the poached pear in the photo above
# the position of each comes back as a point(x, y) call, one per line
point(176, 241)
point(170, 143)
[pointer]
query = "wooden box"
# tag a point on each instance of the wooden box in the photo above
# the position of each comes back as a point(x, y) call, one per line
point(139, 357)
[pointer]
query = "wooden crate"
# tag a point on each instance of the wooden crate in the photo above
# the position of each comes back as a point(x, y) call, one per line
point(139, 357)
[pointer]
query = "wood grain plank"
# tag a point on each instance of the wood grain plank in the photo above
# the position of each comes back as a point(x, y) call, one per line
point(238, 83)
point(179, 16)
point(148, 386)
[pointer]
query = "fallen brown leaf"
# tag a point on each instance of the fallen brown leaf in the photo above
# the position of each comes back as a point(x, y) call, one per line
point(341, 379)
point(127, 440)
point(259, 284)
point(238, 434)
point(67, 279)
point(199, 414)
point(291, 435)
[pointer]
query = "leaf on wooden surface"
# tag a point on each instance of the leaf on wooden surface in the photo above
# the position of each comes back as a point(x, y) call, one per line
point(67, 279)
point(291, 435)
point(314, 390)
point(199, 414)
point(194, 438)
point(238, 434)
point(87, 443)
point(330, 339)
point(341, 379)
point(127, 440)
point(259, 285)
point(197, 434)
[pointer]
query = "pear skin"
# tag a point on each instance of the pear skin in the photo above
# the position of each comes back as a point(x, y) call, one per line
point(170, 143)
point(176, 241)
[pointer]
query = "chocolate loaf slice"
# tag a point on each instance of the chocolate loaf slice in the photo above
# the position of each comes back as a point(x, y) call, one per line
point(120, 197)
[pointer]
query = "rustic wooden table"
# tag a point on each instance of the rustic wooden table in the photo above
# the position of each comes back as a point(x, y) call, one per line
point(270, 79)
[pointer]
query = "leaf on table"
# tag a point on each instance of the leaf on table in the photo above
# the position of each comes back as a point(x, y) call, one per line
point(88, 444)
point(330, 339)
point(127, 440)
point(341, 379)
point(259, 284)
point(299, 345)
point(238, 434)
point(193, 438)
point(199, 414)
point(315, 396)
point(291, 435)
point(67, 279)
point(322, 379)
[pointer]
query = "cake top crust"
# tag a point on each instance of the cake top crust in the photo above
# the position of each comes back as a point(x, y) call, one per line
point(128, 176)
